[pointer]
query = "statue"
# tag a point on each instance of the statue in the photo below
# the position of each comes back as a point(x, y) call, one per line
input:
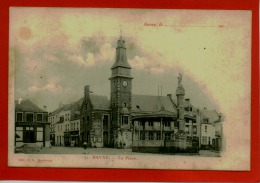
point(179, 79)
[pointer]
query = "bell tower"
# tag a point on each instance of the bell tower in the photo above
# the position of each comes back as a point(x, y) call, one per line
point(120, 96)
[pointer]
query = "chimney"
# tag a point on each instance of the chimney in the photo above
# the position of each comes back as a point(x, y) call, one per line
point(205, 108)
point(169, 95)
point(86, 91)
point(187, 99)
point(45, 107)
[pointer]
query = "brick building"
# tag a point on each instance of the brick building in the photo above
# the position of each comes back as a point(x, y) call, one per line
point(95, 120)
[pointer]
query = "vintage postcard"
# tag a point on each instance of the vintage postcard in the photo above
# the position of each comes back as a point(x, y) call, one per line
point(129, 88)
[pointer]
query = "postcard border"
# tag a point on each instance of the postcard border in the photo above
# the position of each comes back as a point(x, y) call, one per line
point(76, 174)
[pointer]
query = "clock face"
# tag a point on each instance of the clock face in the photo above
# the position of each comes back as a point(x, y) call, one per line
point(125, 83)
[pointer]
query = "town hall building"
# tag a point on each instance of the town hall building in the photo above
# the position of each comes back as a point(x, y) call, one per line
point(141, 122)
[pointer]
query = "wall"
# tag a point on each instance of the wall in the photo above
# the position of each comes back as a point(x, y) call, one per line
point(208, 131)
point(47, 135)
point(85, 122)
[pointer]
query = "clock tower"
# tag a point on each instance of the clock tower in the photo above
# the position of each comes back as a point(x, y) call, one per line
point(120, 98)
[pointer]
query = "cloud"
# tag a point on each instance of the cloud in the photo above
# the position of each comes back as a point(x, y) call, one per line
point(52, 87)
point(148, 60)
point(34, 89)
point(86, 61)
point(51, 57)
point(139, 62)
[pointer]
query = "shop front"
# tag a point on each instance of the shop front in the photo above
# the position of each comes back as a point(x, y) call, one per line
point(74, 138)
point(31, 133)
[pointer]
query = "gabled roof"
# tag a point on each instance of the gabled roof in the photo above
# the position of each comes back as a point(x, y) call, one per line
point(212, 115)
point(27, 106)
point(148, 103)
point(99, 102)
point(63, 108)
point(75, 108)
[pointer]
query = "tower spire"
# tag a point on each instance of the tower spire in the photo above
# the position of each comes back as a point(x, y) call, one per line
point(121, 60)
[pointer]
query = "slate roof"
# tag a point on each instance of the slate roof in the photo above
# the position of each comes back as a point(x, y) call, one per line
point(148, 103)
point(27, 106)
point(75, 108)
point(100, 102)
point(63, 108)
point(212, 115)
point(72, 106)
point(156, 114)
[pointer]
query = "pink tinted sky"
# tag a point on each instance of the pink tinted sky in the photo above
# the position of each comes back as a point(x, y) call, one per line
point(57, 51)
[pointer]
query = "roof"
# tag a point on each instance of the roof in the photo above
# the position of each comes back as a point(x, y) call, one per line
point(156, 114)
point(148, 103)
point(212, 115)
point(63, 108)
point(121, 60)
point(74, 106)
point(100, 102)
point(27, 106)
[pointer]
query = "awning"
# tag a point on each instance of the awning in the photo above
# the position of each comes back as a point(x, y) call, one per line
point(17, 136)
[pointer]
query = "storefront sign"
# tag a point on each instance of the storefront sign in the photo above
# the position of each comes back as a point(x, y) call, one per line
point(28, 124)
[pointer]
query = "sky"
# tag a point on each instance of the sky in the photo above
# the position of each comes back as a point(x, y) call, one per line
point(57, 51)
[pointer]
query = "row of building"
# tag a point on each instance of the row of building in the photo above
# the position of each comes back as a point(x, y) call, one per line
point(142, 122)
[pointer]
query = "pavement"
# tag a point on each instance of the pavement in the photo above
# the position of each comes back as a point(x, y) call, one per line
point(112, 151)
